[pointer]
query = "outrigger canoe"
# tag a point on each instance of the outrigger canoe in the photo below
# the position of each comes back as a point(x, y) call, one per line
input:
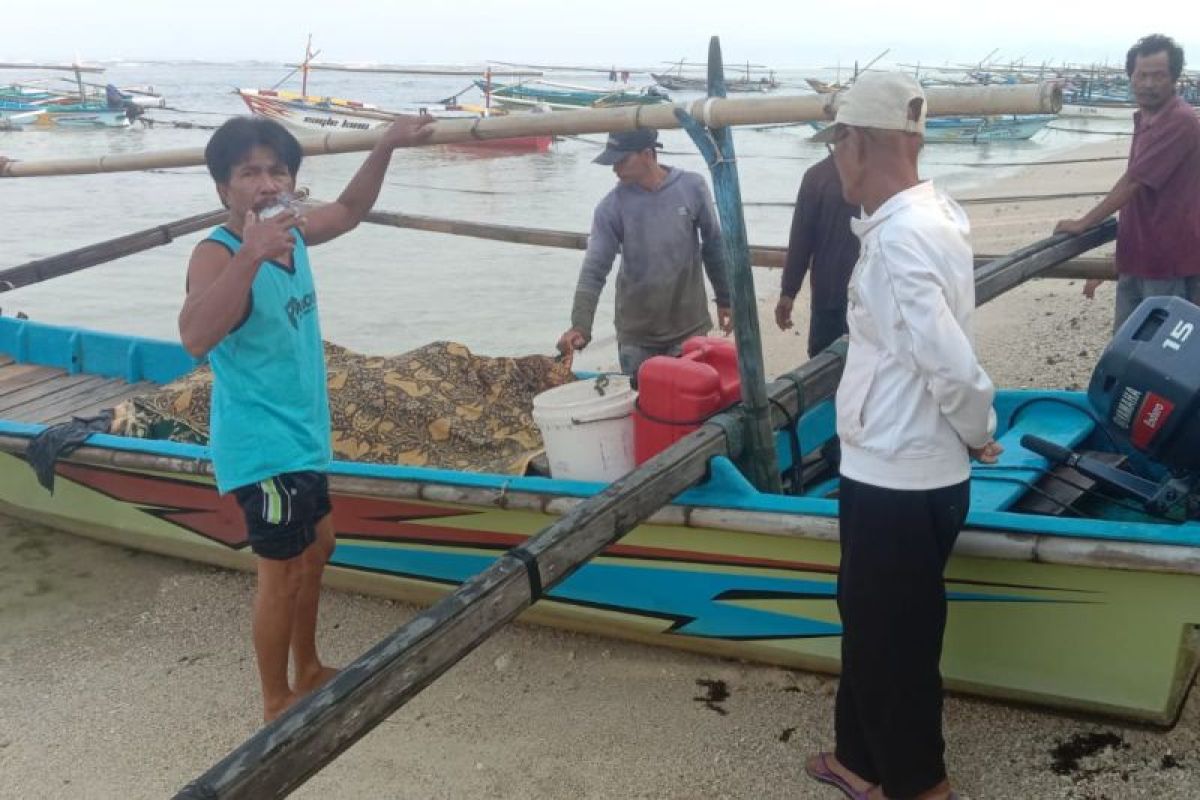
point(979, 130)
point(1097, 612)
point(307, 113)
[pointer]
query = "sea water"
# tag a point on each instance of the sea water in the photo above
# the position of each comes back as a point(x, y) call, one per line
point(386, 290)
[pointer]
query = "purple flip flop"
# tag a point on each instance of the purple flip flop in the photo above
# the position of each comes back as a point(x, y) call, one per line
point(825, 774)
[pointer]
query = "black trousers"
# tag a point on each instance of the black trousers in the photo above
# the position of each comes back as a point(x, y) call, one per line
point(825, 326)
point(892, 600)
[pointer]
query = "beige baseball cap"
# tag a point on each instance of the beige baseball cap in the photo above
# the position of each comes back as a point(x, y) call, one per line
point(878, 100)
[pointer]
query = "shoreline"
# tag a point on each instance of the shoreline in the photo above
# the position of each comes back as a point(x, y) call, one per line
point(125, 675)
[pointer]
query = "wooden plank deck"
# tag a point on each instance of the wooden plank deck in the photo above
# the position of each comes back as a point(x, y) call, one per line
point(31, 393)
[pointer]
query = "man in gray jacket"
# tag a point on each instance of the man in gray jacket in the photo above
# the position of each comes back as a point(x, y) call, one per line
point(662, 222)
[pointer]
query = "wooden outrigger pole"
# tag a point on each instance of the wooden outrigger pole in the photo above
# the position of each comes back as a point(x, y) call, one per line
point(82, 258)
point(713, 112)
point(91, 255)
point(760, 464)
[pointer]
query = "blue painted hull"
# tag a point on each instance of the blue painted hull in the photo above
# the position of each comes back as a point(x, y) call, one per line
point(978, 130)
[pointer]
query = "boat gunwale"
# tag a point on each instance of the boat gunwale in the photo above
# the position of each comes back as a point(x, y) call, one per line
point(725, 500)
point(976, 541)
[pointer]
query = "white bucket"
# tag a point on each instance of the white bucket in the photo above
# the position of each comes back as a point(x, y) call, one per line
point(588, 428)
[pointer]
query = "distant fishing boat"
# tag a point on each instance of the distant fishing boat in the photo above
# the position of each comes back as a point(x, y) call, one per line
point(674, 80)
point(307, 113)
point(564, 96)
point(15, 119)
point(16, 114)
point(1114, 110)
point(684, 83)
point(23, 106)
point(974, 130)
point(1016, 127)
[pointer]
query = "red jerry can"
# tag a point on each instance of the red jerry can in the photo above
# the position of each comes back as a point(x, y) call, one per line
point(677, 394)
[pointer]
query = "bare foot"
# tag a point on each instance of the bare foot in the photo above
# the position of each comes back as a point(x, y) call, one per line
point(273, 708)
point(311, 681)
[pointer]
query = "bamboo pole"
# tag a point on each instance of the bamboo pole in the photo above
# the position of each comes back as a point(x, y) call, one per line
point(84, 257)
point(712, 112)
point(771, 256)
point(287, 752)
point(760, 462)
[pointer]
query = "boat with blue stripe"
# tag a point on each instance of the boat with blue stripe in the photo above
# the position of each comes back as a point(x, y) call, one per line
point(1095, 609)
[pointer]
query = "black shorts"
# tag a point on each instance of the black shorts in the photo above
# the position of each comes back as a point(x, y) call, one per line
point(282, 513)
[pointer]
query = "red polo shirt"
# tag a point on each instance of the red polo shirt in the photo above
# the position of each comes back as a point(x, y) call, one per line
point(1158, 234)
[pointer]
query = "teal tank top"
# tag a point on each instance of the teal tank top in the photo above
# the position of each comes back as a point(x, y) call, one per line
point(270, 405)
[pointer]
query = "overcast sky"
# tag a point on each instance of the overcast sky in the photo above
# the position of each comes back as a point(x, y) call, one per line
point(642, 33)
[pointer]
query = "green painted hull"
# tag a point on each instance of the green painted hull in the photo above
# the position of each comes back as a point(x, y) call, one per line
point(1118, 642)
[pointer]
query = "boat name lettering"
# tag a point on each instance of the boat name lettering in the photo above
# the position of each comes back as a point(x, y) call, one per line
point(297, 307)
point(324, 122)
point(1126, 407)
point(330, 122)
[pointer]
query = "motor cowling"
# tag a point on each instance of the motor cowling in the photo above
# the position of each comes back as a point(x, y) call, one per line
point(1146, 386)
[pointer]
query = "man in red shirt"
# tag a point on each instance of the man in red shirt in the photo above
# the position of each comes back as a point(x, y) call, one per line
point(1158, 234)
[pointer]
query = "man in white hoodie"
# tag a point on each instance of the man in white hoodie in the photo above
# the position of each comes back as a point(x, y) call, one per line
point(913, 408)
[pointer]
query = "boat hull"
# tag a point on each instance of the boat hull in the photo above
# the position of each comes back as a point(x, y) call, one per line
point(677, 83)
point(1094, 614)
point(979, 130)
point(1121, 111)
point(82, 119)
point(1111, 641)
point(527, 96)
point(306, 118)
point(28, 116)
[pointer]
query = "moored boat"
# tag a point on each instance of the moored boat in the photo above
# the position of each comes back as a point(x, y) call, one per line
point(684, 83)
point(976, 130)
point(62, 115)
point(1095, 612)
point(1015, 127)
point(18, 116)
point(1114, 109)
point(307, 113)
point(534, 94)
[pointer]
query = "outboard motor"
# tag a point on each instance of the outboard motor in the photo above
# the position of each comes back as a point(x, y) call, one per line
point(1146, 391)
point(114, 97)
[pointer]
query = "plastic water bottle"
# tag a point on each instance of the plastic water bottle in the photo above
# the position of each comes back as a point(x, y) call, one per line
point(284, 201)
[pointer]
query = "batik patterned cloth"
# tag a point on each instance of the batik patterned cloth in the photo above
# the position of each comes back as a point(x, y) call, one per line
point(436, 406)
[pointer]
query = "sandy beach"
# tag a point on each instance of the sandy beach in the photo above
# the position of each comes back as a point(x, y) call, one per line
point(124, 675)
